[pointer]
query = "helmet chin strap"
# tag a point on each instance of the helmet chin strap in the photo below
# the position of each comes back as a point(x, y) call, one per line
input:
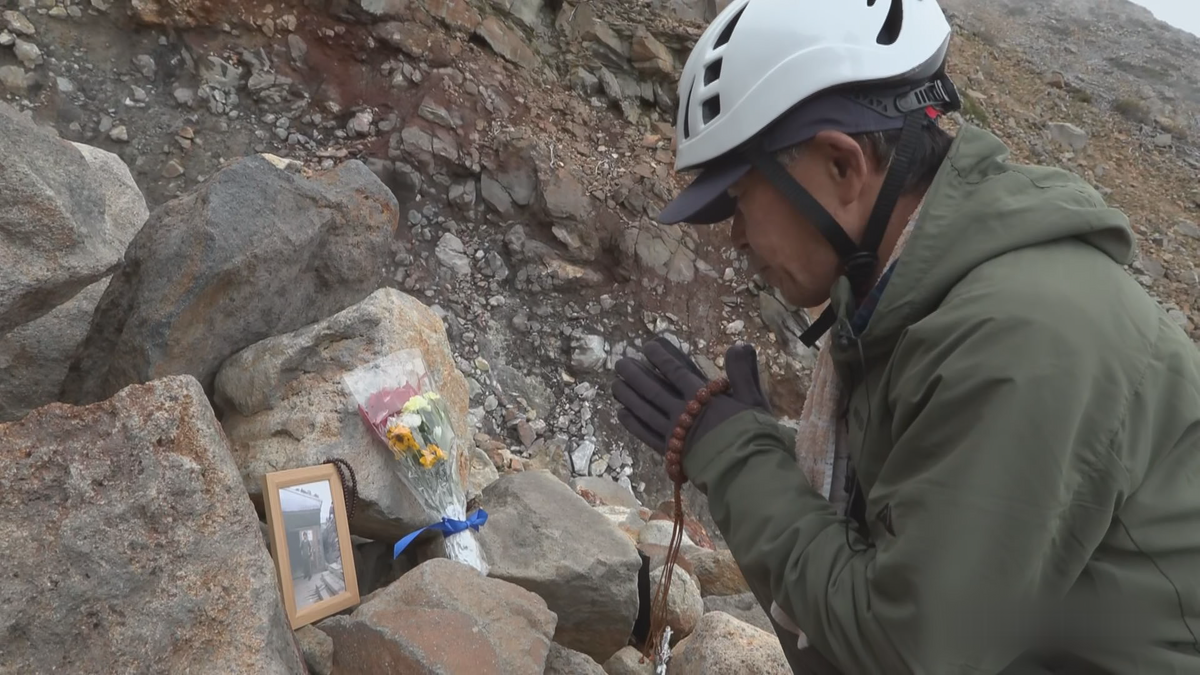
point(860, 261)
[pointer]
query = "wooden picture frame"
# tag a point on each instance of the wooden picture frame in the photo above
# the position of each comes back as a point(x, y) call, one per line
point(316, 575)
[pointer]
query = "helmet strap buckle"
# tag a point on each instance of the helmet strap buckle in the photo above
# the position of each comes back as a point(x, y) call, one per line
point(940, 94)
point(860, 270)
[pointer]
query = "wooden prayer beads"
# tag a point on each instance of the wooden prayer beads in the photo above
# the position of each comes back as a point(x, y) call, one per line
point(674, 463)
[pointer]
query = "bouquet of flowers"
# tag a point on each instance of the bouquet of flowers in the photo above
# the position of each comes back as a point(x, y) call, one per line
point(399, 405)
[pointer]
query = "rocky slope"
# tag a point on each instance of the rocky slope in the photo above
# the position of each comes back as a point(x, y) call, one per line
point(133, 513)
point(246, 201)
point(1114, 50)
point(527, 146)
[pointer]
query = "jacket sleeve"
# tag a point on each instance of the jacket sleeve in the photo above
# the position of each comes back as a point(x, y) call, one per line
point(1000, 484)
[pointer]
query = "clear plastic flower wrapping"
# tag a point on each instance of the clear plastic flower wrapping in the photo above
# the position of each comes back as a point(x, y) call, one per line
point(400, 404)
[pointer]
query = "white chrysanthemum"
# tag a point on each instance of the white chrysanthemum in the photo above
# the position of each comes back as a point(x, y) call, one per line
point(415, 403)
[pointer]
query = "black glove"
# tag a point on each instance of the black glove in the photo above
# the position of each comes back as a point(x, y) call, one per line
point(654, 396)
point(741, 367)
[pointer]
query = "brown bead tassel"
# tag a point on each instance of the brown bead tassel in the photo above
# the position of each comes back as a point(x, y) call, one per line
point(674, 463)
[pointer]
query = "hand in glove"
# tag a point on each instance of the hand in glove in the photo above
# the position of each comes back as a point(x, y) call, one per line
point(653, 395)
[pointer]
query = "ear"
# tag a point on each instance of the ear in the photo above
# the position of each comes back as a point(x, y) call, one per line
point(844, 164)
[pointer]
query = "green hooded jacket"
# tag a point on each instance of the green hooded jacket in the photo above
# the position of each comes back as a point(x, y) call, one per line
point(1024, 421)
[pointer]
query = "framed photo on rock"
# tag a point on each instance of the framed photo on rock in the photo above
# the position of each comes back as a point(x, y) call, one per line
point(310, 542)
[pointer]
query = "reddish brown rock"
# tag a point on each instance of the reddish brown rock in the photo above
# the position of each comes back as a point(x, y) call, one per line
point(650, 55)
point(409, 37)
point(570, 210)
point(586, 26)
point(692, 527)
point(506, 42)
point(130, 545)
point(444, 617)
point(457, 14)
point(181, 13)
point(722, 644)
point(550, 456)
point(443, 50)
point(717, 572)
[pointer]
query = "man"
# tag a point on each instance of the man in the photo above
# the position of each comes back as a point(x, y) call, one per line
point(306, 553)
point(1022, 420)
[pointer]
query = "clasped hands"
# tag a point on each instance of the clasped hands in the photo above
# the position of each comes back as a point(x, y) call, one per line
point(654, 394)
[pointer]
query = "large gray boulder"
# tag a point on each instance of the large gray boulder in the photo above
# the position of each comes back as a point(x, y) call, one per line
point(542, 536)
point(55, 239)
point(34, 357)
point(443, 617)
point(284, 404)
point(125, 210)
point(130, 545)
point(743, 607)
point(260, 249)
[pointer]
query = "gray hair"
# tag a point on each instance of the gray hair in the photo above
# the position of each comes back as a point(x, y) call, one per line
point(932, 148)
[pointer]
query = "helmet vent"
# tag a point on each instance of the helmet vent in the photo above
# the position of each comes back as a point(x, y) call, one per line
point(710, 109)
point(687, 128)
point(712, 72)
point(728, 30)
point(890, 32)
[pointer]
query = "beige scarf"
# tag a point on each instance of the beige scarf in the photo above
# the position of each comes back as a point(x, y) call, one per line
point(820, 450)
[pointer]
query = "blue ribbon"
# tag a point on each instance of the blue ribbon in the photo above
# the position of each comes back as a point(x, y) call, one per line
point(447, 527)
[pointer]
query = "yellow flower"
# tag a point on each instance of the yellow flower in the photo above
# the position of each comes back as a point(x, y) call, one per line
point(431, 455)
point(400, 440)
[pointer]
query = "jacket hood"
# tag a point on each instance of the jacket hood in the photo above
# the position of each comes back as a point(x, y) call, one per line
point(981, 206)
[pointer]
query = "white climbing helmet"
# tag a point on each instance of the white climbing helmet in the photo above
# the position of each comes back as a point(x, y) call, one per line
point(759, 58)
point(768, 74)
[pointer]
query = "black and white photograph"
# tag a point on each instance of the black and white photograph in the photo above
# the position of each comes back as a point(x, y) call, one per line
point(314, 551)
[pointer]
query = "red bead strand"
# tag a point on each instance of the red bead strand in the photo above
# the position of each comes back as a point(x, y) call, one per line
point(674, 466)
